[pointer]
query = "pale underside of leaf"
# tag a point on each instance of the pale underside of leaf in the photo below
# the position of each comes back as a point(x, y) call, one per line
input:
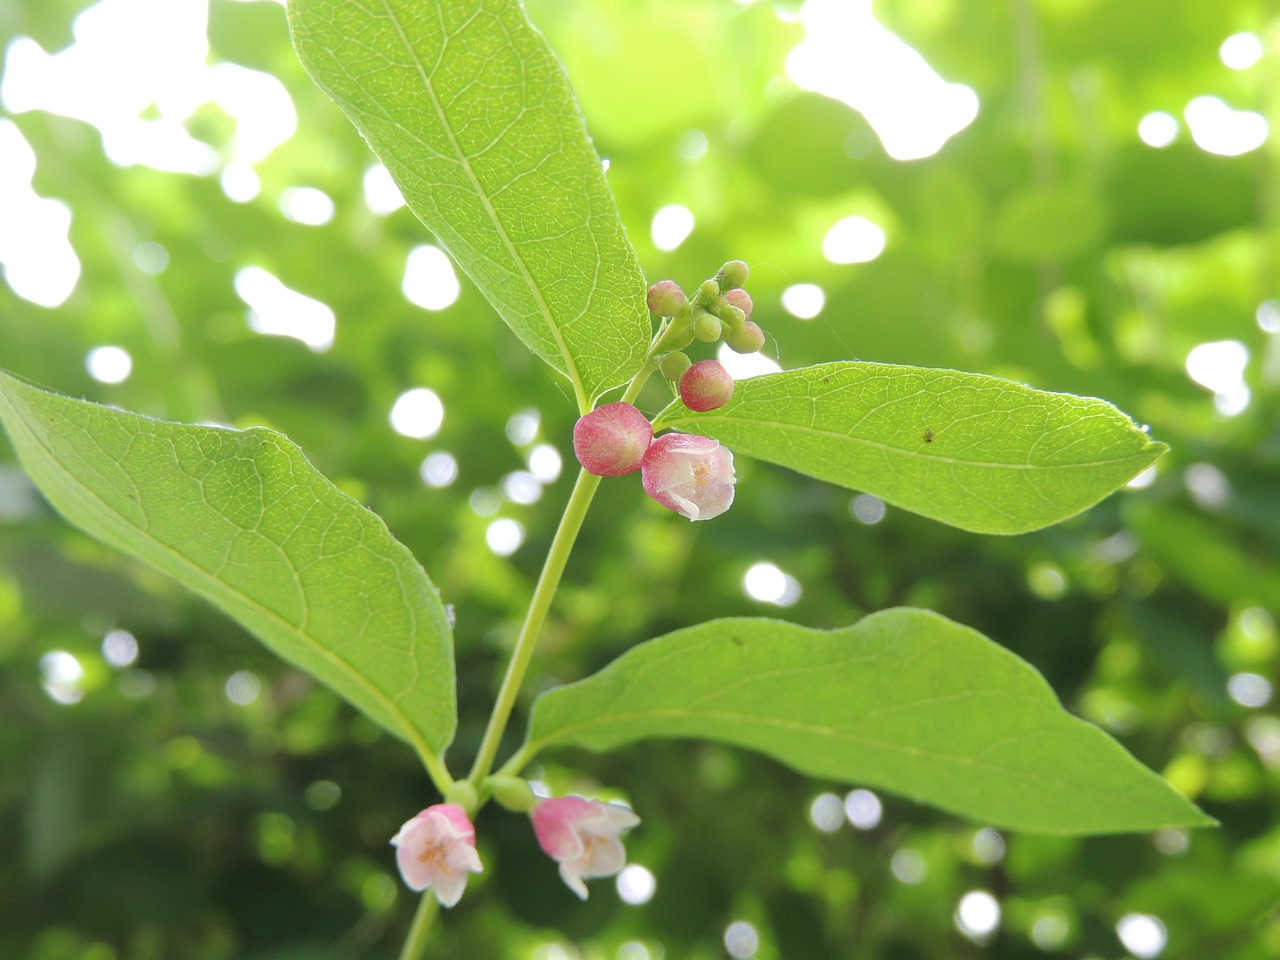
point(468, 108)
point(906, 700)
point(977, 452)
point(242, 519)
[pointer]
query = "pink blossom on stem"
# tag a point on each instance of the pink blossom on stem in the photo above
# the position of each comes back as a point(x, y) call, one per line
point(437, 849)
point(689, 474)
point(610, 441)
point(583, 837)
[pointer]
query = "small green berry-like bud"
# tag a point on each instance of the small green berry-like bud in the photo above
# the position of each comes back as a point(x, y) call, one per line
point(740, 299)
point(748, 338)
point(705, 386)
point(706, 328)
point(512, 793)
point(673, 365)
point(665, 298)
point(464, 795)
point(708, 291)
point(735, 274)
point(732, 316)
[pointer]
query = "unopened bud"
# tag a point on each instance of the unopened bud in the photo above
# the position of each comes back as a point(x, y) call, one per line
point(733, 317)
point(706, 328)
point(748, 338)
point(708, 291)
point(706, 386)
point(512, 793)
point(464, 795)
point(674, 364)
point(610, 441)
point(735, 274)
point(740, 299)
point(665, 298)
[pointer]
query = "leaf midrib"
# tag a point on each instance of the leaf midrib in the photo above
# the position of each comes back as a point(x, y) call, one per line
point(123, 526)
point(887, 448)
point(571, 367)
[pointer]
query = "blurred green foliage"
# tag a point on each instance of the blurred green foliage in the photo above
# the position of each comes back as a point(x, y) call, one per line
point(158, 817)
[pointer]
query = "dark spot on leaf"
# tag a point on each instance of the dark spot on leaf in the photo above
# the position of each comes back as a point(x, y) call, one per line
point(928, 436)
point(735, 639)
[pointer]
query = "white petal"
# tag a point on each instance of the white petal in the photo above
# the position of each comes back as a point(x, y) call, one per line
point(569, 874)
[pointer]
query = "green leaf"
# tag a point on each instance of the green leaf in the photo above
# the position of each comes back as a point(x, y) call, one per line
point(471, 113)
point(977, 452)
point(905, 700)
point(241, 518)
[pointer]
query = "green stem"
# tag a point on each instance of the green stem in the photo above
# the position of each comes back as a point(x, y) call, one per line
point(575, 511)
point(416, 942)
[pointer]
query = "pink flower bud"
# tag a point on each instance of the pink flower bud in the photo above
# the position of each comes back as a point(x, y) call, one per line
point(610, 441)
point(706, 386)
point(665, 298)
point(740, 299)
point(689, 474)
point(582, 836)
point(748, 338)
point(436, 850)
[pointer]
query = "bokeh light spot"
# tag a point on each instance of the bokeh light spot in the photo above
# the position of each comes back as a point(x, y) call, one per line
point(429, 278)
point(439, 469)
point(120, 648)
point(804, 301)
point(1142, 935)
point(977, 915)
point(853, 240)
point(109, 364)
point(636, 884)
point(504, 536)
point(767, 583)
point(417, 413)
point(671, 227)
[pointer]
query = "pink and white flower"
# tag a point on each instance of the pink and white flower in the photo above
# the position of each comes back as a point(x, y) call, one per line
point(689, 474)
point(583, 837)
point(437, 849)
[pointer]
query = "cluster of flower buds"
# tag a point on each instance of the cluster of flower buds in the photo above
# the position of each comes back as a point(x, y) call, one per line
point(436, 849)
point(718, 310)
point(689, 474)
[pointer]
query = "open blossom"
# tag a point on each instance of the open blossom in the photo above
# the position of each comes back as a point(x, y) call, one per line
point(437, 849)
point(689, 474)
point(583, 837)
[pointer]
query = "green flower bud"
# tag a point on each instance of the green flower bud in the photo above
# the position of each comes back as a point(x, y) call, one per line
point(734, 273)
point(674, 364)
point(511, 793)
point(708, 292)
point(706, 328)
point(748, 338)
point(733, 317)
point(665, 298)
point(463, 794)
